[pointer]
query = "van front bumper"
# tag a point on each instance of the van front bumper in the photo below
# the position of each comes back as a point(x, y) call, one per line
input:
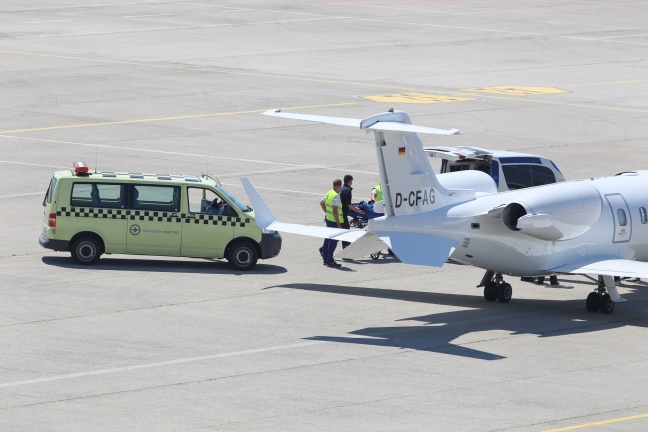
point(57, 245)
point(270, 245)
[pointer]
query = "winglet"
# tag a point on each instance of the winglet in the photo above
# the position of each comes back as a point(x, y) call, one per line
point(263, 216)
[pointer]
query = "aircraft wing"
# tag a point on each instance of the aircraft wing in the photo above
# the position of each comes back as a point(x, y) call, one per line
point(363, 124)
point(611, 267)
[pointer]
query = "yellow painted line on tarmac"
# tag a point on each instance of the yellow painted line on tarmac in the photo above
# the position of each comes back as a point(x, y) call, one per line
point(415, 98)
point(455, 93)
point(220, 71)
point(517, 90)
point(157, 119)
point(579, 105)
point(599, 423)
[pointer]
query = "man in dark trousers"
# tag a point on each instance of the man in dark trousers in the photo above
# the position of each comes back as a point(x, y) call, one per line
point(333, 211)
point(345, 198)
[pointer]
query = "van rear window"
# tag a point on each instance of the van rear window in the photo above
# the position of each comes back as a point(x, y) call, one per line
point(49, 195)
point(101, 195)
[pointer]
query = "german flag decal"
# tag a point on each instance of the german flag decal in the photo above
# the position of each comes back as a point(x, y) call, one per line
point(401, 151)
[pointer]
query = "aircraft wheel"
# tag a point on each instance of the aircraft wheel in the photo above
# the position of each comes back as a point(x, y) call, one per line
point(375, 256)
point(504, 292)
point(490, 291)
point(606, 304)
point(592, 302)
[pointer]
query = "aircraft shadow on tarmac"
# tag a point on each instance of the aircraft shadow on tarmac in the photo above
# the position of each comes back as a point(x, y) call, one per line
point(164, 266)
point(544, 318)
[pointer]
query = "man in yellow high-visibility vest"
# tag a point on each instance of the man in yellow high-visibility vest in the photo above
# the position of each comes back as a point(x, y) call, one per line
point(333, 210)
point(376, 193)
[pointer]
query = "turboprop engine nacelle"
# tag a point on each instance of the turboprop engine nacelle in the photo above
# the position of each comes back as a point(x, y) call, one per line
point(562, 212)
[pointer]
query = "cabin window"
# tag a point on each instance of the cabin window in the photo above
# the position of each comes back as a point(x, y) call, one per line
point(103, 195)
point(155, 198)
point(621, 215)
point(644, 215)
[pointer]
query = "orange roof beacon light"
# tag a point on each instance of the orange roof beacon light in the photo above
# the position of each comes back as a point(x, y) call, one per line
point(80, 168)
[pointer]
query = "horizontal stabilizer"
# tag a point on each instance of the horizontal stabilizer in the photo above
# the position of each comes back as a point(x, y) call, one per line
point(420, 249)
point(366, 245)
point(611, 267)
point(340, 121)
point(363, 124)
point(401, 127)
point(265, 219)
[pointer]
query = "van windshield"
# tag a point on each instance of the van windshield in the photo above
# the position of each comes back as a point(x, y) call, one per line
point(232, 198)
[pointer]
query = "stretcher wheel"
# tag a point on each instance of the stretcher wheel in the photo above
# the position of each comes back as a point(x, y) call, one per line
point(375, 256)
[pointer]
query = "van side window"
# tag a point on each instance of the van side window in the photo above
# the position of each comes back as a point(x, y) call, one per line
point(523, 176)
point(203, 200)
point(155, 198)
point(644, 216)
point(495, 172)
point(542, 175)
point(101, 195)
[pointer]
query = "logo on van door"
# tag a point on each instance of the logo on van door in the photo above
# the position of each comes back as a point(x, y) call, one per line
point(135, 229)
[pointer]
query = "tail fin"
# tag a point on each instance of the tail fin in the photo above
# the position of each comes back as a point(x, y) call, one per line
point(408, 181)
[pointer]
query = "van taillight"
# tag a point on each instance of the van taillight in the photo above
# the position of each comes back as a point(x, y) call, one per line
point(51, 221)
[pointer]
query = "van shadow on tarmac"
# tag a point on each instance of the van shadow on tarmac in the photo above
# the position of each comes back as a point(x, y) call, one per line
point(545, 318)
point(164, 266)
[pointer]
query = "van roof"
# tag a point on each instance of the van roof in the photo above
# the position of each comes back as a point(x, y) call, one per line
point(462, 152)
point(132, 177)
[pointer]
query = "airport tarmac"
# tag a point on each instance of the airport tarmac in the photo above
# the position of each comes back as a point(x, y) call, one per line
point(162, 344)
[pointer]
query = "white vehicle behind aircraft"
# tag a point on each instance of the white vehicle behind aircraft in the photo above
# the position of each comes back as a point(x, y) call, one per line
point(596, 226)
point(510, 170)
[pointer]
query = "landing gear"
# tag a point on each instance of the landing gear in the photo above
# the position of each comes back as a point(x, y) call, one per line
point(592, 302)
point(490, 291)
point(504, 292)
point(599, 300)
point(495, 288)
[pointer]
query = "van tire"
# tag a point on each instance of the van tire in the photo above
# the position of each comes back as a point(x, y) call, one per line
point(242, 255)
point(86, 250)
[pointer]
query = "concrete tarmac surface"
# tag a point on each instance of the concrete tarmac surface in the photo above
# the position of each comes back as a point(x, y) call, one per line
point(177, 86)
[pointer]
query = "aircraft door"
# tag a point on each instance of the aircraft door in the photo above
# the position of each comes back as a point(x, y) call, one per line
point(622, 218)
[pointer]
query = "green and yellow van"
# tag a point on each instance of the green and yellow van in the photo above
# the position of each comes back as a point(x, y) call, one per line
point(92, 213)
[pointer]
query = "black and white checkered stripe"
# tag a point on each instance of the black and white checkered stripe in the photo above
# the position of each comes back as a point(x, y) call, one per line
point(141, 215)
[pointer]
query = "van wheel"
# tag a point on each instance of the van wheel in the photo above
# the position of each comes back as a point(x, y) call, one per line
point(242, 256)
point(86, 250)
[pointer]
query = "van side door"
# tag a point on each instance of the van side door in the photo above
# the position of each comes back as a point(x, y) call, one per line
point(154, 220)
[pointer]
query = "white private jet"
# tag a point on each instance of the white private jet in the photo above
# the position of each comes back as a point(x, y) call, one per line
point(577, 227)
